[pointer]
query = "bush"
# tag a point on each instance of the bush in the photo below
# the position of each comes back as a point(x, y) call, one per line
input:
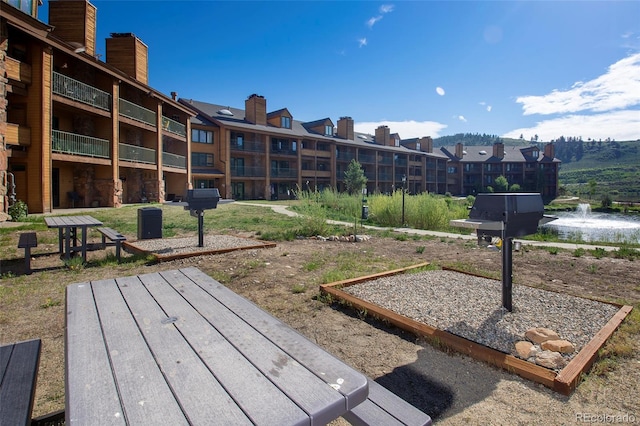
point(18, 211)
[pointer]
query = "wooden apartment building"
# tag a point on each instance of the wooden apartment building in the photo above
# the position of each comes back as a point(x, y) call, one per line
point(257, 154)
point(76, 130)
point(79, 131)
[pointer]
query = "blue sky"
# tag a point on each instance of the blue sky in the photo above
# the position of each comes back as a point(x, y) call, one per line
point(424, 68)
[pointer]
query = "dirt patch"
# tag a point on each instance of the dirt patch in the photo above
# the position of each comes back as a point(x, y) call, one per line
point(284, 280)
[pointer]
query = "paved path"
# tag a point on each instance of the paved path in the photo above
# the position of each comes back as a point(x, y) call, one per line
point(284, 209)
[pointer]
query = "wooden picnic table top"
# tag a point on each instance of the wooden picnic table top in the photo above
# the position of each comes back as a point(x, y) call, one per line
point(177, 347)
point(71, 221)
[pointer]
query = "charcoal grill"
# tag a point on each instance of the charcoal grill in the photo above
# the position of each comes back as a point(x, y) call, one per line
point(197, 201)
point(505, 215)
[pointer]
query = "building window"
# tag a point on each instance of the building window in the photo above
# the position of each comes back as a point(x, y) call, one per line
point(204, 183)
point(237, 139)
point(201, 159)
point(417, 146)
point(328, 130)
point(201, 136)
point(452, 170)
point(285, 122)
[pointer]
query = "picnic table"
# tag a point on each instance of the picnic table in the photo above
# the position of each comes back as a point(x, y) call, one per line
point(177, 347)
point(68, 233)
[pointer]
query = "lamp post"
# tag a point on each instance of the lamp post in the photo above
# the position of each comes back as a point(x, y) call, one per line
point(404, 181)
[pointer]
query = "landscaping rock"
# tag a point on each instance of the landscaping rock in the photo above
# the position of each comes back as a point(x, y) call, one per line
point(525, 349)
point(562, 346)
point(551, 359)
point(541, 334)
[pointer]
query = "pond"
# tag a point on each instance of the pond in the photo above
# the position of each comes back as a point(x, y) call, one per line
point(584, 225)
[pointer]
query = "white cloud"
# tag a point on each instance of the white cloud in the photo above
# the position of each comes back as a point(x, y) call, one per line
point(372, 21)
point(362, 42)
point(440, 91)
point(489, 108)
point(618, 88)
point(406, 129)
point(618, 125)
point(385, 8)
point(461, 118)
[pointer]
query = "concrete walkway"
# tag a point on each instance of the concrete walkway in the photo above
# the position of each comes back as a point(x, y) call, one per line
point(284, 209)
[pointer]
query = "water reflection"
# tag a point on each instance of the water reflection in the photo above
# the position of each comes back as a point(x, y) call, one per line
point(587, 226)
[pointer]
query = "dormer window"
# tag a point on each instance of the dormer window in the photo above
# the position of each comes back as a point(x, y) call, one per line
point(285, 122)
point(328, 130)
point(396, 142)
point(418, 146)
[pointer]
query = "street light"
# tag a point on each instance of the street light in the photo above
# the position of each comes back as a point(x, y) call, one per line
point(404, 181)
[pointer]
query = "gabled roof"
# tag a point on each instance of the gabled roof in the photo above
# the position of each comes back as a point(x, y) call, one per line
point(210, 114)
point(484, 154)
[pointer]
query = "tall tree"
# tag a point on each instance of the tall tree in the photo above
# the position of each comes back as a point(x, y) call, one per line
point(354, 178)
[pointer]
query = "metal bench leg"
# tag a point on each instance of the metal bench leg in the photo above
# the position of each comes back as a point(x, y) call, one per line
point(27, 260)
point(118, 250)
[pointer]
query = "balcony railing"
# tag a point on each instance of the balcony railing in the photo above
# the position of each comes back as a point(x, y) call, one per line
point(136, 112)
point(81, 92)
point(367, 158)
point(18, 135)
point(290, 173)
point(247, 171)
point(17, 70)
point(71, 143)
point(247, 146)
point(173, 126)
point(174, 160)
point(136, 154)
point(385, 160)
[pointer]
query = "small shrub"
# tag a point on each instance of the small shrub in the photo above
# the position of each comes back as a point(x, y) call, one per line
point(420, 249)
point(298, 288)
point(18, 211)
point(593, 268)
point(74, 263)
point(579, 252)
point(553, 250)
point(401, 237)
point(599, 252)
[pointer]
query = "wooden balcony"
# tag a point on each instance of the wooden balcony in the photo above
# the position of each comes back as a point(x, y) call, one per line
point(18, 135)
point(18, 71)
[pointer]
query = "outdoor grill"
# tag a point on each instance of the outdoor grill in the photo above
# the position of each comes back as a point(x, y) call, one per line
point(199, 200)
point(505, 215)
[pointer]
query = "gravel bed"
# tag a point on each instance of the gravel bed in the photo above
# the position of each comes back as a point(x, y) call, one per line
point(471, 307)
point(174, 246)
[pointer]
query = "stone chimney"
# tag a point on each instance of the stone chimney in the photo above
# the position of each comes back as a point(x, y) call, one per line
point(345, 128)
point(426, 144)
point(498, 150)
point(129, 54)
point(550, 151)
point(174, 95)
point(383, 136)
point(459, 150)
point(75, 23)
point(255, 110)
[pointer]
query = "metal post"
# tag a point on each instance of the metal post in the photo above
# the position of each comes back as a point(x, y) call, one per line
point(507, 272)
point(404, 180)
point(200, 228)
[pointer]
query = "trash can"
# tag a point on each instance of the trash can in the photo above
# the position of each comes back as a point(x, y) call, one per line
point(149, 223)
point(365, 212)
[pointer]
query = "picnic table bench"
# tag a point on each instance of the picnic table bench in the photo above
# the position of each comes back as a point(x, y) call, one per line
point(18, 373)
point(27, 241)
point(384, 408)
point(114, 236)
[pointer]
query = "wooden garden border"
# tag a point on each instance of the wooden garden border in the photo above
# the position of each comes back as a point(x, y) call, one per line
point(563, 382)
point(132, 248)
